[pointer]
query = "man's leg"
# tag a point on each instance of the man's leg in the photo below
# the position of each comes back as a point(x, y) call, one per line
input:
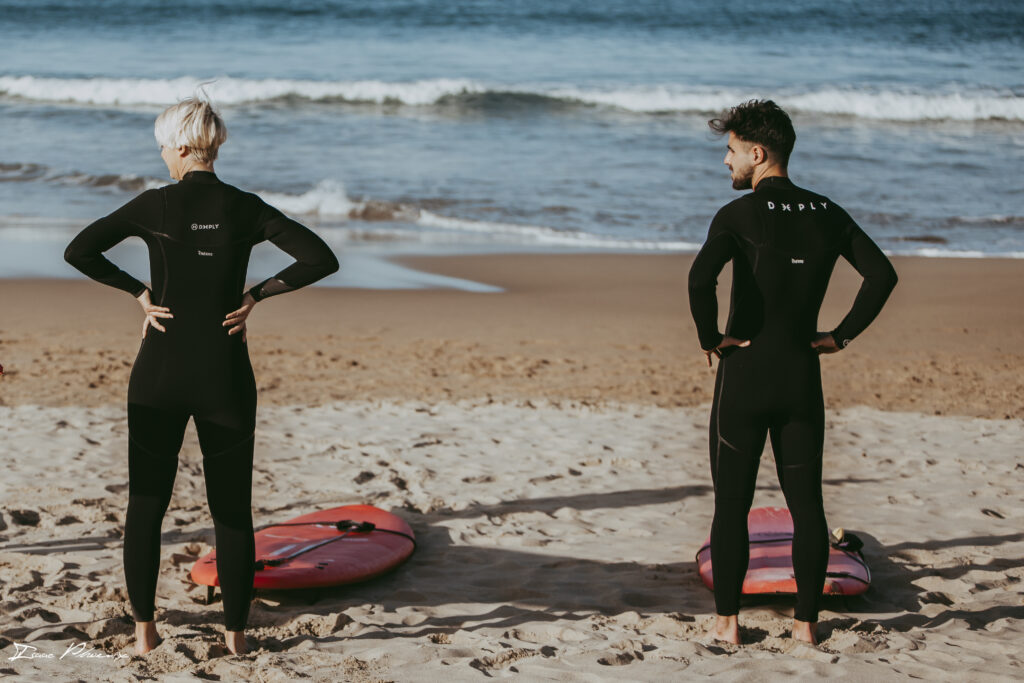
point(737, 439)
point(798, 449)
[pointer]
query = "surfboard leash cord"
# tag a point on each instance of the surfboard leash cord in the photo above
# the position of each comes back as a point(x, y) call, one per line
point(347, 526)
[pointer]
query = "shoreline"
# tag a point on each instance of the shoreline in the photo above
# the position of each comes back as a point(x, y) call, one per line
point(582, 327)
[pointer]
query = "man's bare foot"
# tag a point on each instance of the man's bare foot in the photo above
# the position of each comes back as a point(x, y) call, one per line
point(146, 637)
point(805, 631)
point(235, 640)
point(727, 629)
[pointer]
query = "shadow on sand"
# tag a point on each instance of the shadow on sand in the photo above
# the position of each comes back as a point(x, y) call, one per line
point(536, 587)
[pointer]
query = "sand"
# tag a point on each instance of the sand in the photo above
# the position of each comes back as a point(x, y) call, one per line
point(584, 327)
point(548, 447)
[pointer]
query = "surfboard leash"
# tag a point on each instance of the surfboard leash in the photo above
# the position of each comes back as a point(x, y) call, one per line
point(346, 526)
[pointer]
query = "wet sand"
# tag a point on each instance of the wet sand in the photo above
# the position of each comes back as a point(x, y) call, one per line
point(582, 327)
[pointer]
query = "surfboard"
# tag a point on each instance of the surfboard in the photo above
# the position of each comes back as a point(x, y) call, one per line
point(332, 547)
point(771, 559)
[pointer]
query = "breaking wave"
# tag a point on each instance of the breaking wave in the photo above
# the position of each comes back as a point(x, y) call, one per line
point(874, 104)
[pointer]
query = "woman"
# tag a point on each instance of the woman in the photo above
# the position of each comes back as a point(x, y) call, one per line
point(193, 360)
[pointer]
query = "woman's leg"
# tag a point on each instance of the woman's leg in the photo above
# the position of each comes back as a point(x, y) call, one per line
point(227, 465)
point(154, 439)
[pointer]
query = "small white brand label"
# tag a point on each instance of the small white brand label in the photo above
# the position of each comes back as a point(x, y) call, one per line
point(797, 260)
point(205, 226)
point(205, 253)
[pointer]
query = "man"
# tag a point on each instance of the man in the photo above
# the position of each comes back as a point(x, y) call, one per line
point(783, 242)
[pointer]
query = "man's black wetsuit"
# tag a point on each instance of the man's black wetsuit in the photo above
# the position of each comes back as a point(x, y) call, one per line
point(199, 233)
point(783, 242)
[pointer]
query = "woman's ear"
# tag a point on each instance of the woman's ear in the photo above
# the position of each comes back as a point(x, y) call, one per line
point(184, 151)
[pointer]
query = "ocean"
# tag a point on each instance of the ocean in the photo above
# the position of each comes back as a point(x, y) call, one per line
point(405, 126)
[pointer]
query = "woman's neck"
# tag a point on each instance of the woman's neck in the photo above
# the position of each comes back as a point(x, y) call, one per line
point(195, 166)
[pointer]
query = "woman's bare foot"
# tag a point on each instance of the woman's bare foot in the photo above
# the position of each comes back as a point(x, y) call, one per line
point(235, 640)
point(146, 637)
point(805, 631)
point(727, 629)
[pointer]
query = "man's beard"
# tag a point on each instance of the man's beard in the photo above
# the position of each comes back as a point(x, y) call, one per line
point(745, 182)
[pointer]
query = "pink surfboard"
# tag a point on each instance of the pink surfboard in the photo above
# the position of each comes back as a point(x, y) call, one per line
point(342, 545)
point(771, 562)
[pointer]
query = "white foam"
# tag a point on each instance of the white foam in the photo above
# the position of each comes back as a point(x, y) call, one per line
point(126, 181)
point(880, 105)
point(999, 219)
point(909, 106)
point(227, 91)
point(931, 252)
point(327, 199)
point(961, 104)
point(549, 236)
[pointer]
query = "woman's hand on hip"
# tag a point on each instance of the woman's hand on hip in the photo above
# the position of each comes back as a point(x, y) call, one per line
point(726, 342)
point(153, 313)
point(235, 320)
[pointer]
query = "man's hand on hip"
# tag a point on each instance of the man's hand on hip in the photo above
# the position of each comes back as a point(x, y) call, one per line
point(825, 343)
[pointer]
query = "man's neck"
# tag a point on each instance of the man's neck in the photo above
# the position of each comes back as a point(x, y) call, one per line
point(773, 171)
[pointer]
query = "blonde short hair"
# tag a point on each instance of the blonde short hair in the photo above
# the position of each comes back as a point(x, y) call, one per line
point(192, 123)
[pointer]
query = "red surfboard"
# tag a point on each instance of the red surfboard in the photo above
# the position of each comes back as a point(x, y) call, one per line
point(342, 545)
point(771, 559)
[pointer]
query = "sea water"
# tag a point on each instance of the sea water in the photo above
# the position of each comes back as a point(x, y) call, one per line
point(405, 126)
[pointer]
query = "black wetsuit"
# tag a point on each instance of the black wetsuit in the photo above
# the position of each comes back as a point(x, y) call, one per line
point(199, 233)
point(783, 242)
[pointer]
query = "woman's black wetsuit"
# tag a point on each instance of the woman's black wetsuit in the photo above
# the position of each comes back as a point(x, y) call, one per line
point(199, 233)
point(783, 242)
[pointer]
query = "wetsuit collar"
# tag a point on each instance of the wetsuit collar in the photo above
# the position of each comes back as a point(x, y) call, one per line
point(775, 181)
point(201, 177)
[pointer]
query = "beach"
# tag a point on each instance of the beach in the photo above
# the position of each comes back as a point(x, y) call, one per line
point(505, 358)
point(590, 328)
point(548, 445)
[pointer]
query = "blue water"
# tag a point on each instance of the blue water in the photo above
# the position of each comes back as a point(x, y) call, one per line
point(447, 127)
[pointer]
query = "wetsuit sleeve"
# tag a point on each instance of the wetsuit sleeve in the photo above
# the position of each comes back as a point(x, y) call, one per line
point(313, 258)
point(136, 218)
point(879, 281)
point(718, 250)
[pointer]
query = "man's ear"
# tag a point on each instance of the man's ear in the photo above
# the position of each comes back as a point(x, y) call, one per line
point(758, 154)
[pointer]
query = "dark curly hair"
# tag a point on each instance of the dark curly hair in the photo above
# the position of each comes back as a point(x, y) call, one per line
point(761, 122)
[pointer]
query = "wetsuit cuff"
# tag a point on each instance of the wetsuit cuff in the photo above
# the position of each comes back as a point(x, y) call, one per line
point(841, 341)
point(137, 293)
point(708, 344)
point(254, 291)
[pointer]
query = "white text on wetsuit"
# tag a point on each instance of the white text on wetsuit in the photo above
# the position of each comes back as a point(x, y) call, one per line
point(205, 226)
point(789, 207)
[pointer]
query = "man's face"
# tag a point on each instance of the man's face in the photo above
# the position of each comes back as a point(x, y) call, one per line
point(740, 160)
